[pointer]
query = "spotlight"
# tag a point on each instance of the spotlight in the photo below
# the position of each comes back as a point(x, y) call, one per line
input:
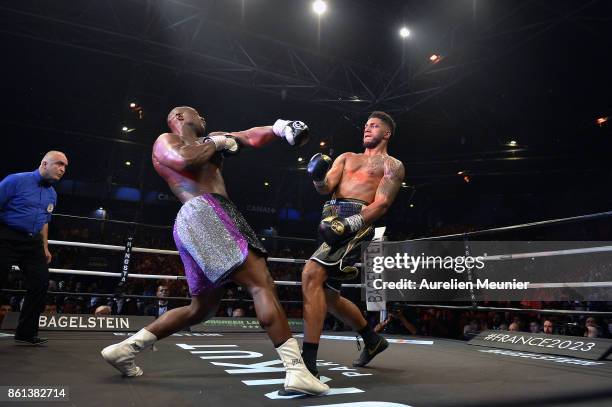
point(602, 120)
point(300, 159)
point(128, 163)
point(319, 7)
point(465, 175)
point(132, 105)
point(322, 144)
point(412, 205)
point(404, 184)
point(266, 183)
point(435, 58)
point(125, 129)
point(404, 32)
point(512, 143)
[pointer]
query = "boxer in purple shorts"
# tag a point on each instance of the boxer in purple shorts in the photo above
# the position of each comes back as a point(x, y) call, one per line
point(215, 242)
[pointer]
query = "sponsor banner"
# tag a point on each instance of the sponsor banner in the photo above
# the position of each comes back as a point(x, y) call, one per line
point(70, 322)
point(132, 323)
point(376, 299)
point(538, 356)
point(574, 346)
point(240, 325)
point(489, 271)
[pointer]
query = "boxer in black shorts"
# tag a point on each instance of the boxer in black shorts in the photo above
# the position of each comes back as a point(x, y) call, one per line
point(363, 187)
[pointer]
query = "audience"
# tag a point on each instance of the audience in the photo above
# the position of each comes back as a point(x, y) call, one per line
point(456, 324)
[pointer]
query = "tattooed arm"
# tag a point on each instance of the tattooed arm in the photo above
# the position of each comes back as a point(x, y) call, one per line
point(386, 192)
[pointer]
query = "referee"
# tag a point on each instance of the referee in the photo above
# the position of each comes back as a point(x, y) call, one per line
point(27, 200)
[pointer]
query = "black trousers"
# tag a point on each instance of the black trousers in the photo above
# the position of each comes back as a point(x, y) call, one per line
point(26, 251)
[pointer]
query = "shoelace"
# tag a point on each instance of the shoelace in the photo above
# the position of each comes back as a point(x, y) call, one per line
point(358, 343)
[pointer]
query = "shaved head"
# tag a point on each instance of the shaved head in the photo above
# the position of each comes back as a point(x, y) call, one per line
point(186, 116)
point(53, 166)
point(54, 155)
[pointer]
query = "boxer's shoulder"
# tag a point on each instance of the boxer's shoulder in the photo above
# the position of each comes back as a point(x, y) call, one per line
point(393, 162)
point(394, 167)
point(168, 137)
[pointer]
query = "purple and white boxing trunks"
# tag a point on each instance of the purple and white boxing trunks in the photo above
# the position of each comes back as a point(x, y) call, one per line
point(213, 239)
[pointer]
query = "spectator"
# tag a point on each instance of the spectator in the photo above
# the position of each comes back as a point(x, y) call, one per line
point(514, 327)
point(498, 324)
point(161, 306)
point(470, 330)
point(548, 327)
point(50, 308)
point(4, 309)
point(238, 313)
point(592, 329)
point(534, 327)
point(103, 310)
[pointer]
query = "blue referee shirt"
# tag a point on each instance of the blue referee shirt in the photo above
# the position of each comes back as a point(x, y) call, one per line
point(26, 201)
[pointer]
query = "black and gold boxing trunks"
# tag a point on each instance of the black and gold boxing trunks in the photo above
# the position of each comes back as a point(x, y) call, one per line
point(340, 260)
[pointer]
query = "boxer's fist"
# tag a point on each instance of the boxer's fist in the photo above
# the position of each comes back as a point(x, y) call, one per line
point(336, 230)
point(295, 132)
point(226, 143)
point(318, 166)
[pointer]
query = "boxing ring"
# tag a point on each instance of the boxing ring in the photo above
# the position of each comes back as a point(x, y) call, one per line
point(229, 368)
point(413, 371)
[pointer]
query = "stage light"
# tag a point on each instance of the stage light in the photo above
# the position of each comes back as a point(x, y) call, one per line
point(266, 184)
point(128, 163)
point(404, 32)
point(435, 58)
point(319, 7)
point(512, 143)
point(132, 105)
point(602, 120)
point(322, 144)
point(412, 205)
point(125, 129)
point(300, 159)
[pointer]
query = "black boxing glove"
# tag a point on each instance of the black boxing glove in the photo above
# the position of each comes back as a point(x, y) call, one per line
point(295, 132)
point(318, 166)
point(336, 230)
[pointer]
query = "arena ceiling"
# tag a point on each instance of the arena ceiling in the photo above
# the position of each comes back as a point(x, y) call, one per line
point(533, 72)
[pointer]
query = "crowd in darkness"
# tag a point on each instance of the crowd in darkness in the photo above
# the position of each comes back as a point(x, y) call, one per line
point(79, 293)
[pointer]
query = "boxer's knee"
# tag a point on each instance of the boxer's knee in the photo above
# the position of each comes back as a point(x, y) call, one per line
point(313, 277)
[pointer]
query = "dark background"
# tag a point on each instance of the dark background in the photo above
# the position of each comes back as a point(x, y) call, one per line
point(537, 72)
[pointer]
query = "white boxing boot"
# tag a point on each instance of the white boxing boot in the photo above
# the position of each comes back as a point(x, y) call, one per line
point(298, 378)
point(121, 355)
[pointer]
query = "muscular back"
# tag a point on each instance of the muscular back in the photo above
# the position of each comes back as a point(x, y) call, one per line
point(183, 164)
point(362, 175)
